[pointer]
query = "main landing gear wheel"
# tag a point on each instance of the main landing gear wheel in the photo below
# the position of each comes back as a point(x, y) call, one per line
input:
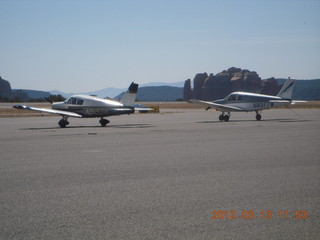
point(103, 122)
point(223, 117)
point(63, 123)
point(258, 117)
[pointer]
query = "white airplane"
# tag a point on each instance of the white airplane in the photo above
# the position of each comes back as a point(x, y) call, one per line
point(84, 106)
point(249, 102)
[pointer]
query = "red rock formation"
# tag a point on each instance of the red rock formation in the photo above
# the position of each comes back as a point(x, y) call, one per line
point(198, 83)
point(5, 88)
point(270, 86)
point(187, 91)
point(218, 86)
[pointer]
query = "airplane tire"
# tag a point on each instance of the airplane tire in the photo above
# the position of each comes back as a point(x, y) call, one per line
point(258, 117)
point(226, 118)
point(221, 117)
point(63, 123)
point(103, 122)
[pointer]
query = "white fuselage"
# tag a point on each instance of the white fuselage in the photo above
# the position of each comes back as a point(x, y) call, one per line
point(248, 102)
point(89, 106)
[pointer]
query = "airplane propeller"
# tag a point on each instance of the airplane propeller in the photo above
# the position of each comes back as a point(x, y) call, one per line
point(48, 100)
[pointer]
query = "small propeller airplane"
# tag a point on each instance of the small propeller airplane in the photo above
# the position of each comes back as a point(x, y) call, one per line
point(249, 102)
point(84, 106)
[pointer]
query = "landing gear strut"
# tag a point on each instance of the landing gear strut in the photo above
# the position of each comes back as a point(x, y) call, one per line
point(223, 117)
point(258, 116)
point(103, 122)
point(63, 122)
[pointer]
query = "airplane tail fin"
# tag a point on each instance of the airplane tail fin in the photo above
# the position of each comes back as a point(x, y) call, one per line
point(129, 97)
point(287, 89)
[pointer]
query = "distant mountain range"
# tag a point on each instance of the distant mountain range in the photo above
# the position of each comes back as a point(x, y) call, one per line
point(307, 90)
point(160, 84)
point(157, 91)
point(106, 92)
point(113, 92)
point(34, 94)
point(303, 90)
point(157, 94)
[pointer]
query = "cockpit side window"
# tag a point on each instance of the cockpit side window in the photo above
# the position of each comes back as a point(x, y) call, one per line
point(80, 101)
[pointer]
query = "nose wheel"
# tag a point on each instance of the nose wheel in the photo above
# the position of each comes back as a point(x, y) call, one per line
point(258, 116)
point(103, 122)
point(63, 122)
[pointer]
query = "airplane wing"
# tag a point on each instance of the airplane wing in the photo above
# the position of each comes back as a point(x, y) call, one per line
point(47, 110)
point(219, 107)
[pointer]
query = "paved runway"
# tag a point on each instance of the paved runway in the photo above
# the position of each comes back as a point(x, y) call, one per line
point(162, 176)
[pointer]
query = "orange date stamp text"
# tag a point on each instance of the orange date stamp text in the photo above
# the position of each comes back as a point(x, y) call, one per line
point(265, 214)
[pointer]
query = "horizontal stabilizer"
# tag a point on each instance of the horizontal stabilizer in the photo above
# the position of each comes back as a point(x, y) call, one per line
point(280, 101)
point(143, 109)
point(298, 101)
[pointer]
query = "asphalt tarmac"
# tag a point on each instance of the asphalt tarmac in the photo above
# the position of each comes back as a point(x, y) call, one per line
point(174, 175)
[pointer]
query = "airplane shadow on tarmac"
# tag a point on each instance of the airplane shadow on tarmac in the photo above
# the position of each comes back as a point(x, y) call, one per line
point(264, 120)
point(94, 127)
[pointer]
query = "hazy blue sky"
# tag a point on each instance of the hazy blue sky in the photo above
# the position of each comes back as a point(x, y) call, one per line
point(77, 46)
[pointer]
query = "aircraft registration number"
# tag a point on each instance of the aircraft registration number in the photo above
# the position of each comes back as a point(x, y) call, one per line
point(260, 104)
point(96, 112)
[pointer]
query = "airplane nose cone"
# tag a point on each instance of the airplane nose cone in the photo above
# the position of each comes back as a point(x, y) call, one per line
point(59, 105)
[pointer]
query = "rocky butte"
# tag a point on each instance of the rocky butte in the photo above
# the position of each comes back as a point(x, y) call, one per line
point(212, 87)
point(5, 88)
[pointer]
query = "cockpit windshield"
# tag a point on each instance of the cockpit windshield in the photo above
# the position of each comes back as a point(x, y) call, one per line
point(232, 97)
point(242, 98)
point(75, 101)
